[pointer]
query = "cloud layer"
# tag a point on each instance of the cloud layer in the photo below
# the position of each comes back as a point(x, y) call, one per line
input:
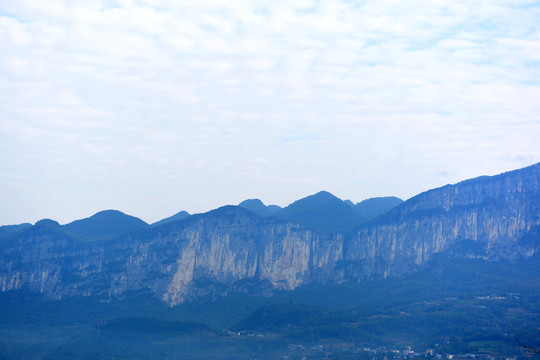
point(152, 107)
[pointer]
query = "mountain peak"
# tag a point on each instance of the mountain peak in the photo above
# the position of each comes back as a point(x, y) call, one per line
point(322, 212)
point(176, 217)
point(105, 224)
point(48, 223)
point(258, 207)
point(325, 195)
point(371, 208)
point(251, 202)
point(108, 213)
point(10, 230)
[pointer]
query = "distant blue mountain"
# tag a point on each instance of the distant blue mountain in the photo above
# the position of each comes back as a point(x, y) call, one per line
point(322, 212)
point(258, 207)
point(104, 225)
point(48, 223)
point(316, 240)
point(10, 230)
point(41, 230)
point(371, 208)
point(176, 217)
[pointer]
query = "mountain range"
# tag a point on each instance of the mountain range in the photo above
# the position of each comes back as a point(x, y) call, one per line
point(258, 249)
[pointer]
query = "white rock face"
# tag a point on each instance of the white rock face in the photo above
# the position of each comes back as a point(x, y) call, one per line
point(232, 249)
point(493, 212)
point(182, 278)
point(283, 254)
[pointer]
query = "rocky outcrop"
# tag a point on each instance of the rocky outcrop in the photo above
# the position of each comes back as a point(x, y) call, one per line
point(177, 262)
point(485, 217)
point(232, 248)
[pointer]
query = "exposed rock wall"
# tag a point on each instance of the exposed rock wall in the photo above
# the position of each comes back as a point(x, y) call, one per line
point(492, 212)
point(175, 261)
point(232, 248)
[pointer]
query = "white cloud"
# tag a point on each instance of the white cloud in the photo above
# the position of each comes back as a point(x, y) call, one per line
point(219, 101)
point(260, 64)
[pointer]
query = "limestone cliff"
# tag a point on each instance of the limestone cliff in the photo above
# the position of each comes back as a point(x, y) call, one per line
point(485, 217)
point(176, 261)
point(232, 248)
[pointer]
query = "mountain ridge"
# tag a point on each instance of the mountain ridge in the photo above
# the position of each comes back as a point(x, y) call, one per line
point(234, 249)
point(258, 207)
point(178, 216)
point(323, 212)
point(105, 224)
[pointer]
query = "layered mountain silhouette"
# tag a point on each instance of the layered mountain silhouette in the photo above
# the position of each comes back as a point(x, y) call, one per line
point(105, 224)
point(10, 230)
point(322, 212)
point(259, 208)
point(255, 249)
point(325, 212)
point(371, 208)
point(178, 216)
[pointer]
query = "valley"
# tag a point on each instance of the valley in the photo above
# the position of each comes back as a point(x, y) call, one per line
point(452, 272)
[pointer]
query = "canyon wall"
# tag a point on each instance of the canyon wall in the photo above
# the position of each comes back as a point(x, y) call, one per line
point(232, 249)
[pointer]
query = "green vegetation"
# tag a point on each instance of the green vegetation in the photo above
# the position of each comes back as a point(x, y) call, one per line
point(454, 306)
point(155, 326)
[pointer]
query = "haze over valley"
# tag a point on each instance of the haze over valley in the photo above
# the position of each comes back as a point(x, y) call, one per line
point(255, 179)
point(346, 277)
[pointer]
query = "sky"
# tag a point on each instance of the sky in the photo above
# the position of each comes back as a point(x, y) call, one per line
point(152, 107)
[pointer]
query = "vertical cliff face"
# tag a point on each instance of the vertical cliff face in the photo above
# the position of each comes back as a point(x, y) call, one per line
point(229, 248)
point(46, 260)
point(484, 217)
point(291, 256)
point(232, 248)
point(234, 245)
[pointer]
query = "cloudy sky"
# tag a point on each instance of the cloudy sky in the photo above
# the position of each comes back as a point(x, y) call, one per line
point(152, 107)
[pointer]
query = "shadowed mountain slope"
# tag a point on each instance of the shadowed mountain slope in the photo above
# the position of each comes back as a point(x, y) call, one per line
point(371, 208)
point(10, 230)
point(259, 208)
point(178, 216)
point(322, 212)
point(105, 225)
point(208, 255)
point(489, 217)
